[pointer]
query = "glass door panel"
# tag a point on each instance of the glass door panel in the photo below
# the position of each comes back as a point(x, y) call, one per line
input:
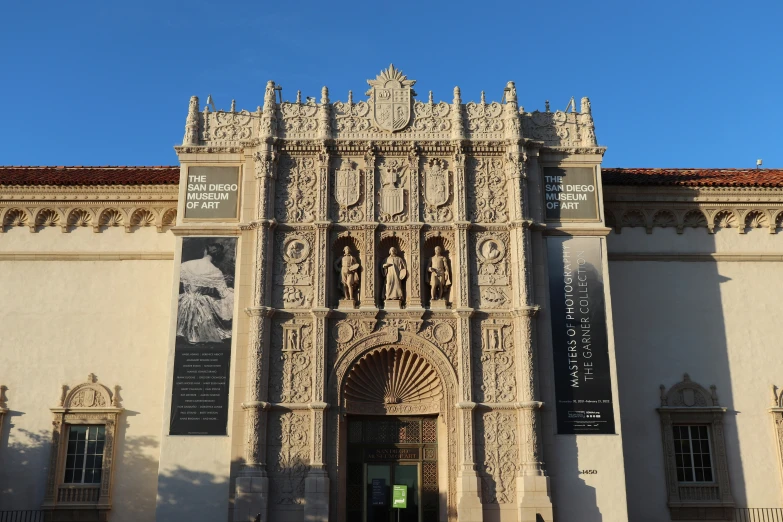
point(378, 497)
point(408, 475)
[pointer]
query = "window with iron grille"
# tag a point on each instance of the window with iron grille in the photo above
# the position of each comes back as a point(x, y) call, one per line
point(84, 457)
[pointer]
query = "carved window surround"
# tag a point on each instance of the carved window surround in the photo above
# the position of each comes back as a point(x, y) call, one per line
point(89, 403)
point(777, 423)
point(689, 403)
point(712, 208)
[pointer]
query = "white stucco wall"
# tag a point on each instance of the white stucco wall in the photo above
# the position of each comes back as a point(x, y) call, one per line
point(61, 320)
point(716, 321)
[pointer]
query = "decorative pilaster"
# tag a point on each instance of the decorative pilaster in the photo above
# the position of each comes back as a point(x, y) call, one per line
point(369, 178)
point(457, 128)
point(323, 183)
point(414, 297)
point(368, 268)
point(468, 483)
point(316, 507)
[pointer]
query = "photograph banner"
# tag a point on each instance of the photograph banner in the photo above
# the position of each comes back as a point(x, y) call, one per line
point(583, 380)
point(202, 353)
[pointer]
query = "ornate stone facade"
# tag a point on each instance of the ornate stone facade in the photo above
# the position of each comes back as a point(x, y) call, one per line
point(397, 235)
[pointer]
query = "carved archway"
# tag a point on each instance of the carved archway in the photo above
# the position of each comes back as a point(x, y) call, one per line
point(430, 362)
point(392, 381)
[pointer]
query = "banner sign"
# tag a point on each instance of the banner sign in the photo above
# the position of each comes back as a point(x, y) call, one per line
point(583, 382)
point(202, 350)
point(570, 194)
point(212, 193)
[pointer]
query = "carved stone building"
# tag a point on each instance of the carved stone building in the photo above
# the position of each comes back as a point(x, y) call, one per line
point(326, 299)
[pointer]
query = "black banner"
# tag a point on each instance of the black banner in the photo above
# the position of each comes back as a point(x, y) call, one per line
point(583, 382)
point(202, 353)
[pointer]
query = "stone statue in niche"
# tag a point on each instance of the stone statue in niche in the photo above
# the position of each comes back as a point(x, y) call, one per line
point(348, 267)
point(439, 277)
point(395, 273)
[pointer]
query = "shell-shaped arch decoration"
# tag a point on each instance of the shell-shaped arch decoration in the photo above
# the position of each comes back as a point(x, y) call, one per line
point(393, 381)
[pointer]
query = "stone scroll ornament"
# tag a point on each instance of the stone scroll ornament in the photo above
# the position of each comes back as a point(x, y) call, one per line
point(390, 98)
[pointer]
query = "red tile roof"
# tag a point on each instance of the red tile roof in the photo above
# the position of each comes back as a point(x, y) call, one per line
point(115, 175)
point(74, 176)
point(695, 177)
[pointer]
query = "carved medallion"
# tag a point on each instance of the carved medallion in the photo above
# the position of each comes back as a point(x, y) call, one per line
point(436, 184)
point(390, 97)
point(347, 185)
point(443, 333)
point(342, 333)
point(490, 252)
point(295, 249)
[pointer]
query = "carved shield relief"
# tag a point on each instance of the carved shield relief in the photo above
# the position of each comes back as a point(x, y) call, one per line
point(436, 185)
point(347, 186)
point(391, 96)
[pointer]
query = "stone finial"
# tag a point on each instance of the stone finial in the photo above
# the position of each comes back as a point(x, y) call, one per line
point(191, 124)
point(3, 399)
point(324, 95)
point(269, 95)
point(350, 97)
point(457, 96)
point(547, 106)
point(298, 96)
point(483, 98)
point(511, 92)
point(430, 98)
point(586, 109)
point(233, 106)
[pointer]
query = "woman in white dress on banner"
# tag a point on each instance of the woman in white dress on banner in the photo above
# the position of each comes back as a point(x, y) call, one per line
point(206, 303)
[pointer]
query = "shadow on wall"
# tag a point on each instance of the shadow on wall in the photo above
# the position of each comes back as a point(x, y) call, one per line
point(24, 467)
point(668, 320)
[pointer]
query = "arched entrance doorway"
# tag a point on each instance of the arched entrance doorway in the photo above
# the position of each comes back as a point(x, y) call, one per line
point(396, 425)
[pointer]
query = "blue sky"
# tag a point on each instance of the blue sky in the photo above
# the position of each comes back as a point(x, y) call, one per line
point(672, 84)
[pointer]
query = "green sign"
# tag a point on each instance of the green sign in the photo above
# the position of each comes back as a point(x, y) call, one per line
point(399, 496)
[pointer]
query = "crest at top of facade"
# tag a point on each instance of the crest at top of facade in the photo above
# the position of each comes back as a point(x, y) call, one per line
point(391, 99)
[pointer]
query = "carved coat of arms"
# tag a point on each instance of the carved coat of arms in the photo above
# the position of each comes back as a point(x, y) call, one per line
point(347, 186)
point(392, 196)
point(391, 95)
point(436, 184)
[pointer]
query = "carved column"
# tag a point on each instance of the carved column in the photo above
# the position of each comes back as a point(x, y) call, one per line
point(368, 298)
point(252, 484)
point(414, 285)
point(369, 178)
point(533, 497)
point(468, 484)
point(316, 506)
point(368, 268)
